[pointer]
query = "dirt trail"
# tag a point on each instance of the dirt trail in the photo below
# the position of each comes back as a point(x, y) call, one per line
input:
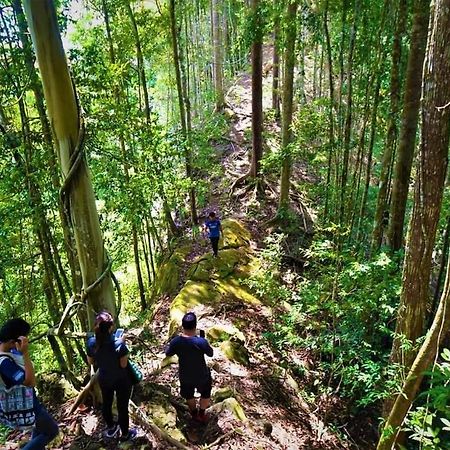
point(276, 416)
point(268, 410)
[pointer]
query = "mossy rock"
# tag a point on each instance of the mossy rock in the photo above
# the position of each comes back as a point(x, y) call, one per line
point(168, 276)
point(220, 333)
point(232, 405)
point(235, 351)
point(192, 295)
point(223, 393)
point(55, 388)
point(234, 288)
point(235, 234)
point(201, 270)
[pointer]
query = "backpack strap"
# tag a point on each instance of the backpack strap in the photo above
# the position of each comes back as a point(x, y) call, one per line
point(3, 356)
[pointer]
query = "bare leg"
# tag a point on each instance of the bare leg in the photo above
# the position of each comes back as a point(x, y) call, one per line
point(192, 404)
point(204, 403)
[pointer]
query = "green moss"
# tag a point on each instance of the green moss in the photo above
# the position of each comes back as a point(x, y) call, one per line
point(235, 351)
point(168, 276)
point(223, 393)
point(235, 234)
point(233, 287)
point(232, 405)
point(192, 295)
point(220, 333)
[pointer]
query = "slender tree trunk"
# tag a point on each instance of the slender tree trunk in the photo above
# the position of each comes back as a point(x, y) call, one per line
point(118, 98)
point(182, 105)
point(288, 83)
point(330, 110)
point(429, 187)
point(140, 61)
point(348, 116)
point(65, 119)
point(411, 104)
point(257, 110)
point(276, 61)
point(218, 57)
point(382, 208)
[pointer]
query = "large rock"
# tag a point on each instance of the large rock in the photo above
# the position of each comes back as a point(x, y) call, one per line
point(192, 295)
point(168, 276)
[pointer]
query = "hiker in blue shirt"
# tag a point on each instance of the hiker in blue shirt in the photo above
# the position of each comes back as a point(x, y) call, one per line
point(17, 369)
point(110, 355)
point(214, 229)
point(193, 371)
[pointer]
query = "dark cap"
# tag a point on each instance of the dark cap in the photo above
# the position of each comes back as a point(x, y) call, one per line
point(189, 321)
point(14, 328)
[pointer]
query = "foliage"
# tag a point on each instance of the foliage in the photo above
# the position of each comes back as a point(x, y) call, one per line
point(342, 313)
point(428, 423)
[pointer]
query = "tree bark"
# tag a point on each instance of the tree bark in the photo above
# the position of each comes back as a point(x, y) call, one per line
point(65, 119)
point(183, 104)
point(382, 208)
point(257, 110)
point(288, 83)
point(411, 104)
point(429, 187)
point(218, 57)
point(348, 116)
point(276, 61)
point(330, 109)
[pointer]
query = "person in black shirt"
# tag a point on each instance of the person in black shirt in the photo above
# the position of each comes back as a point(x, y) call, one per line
point(110, 355)
point(193, 371)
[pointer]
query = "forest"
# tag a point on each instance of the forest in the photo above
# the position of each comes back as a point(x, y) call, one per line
point(318, 133)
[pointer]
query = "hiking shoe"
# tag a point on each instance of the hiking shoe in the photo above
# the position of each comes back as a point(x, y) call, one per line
point(129, 436)
point(112, 432)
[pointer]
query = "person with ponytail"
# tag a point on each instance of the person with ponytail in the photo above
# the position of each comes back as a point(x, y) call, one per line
point(110, 355)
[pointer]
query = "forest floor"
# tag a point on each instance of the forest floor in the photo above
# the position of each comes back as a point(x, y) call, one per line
point(257, 402)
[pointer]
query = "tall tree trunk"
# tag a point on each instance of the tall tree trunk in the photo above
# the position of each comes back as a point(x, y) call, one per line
point(182, 104)
point(257, 110)
point(218, 57)
point(411, 104)
point(429, 187)
point(392, 131)
point(276, 60)
point(39, 99)
point(140, 61)
point(288, 83)
point(330, 110)
point(348, 116)
point(118, 98)
point(68, 131)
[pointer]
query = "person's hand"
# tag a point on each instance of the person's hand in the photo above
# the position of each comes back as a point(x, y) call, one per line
point(22, 344)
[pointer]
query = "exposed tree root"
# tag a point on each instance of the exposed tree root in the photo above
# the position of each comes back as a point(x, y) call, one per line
point(145, 422)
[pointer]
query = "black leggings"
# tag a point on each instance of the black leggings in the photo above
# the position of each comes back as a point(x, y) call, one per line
point(123, 389)
point(215, 244)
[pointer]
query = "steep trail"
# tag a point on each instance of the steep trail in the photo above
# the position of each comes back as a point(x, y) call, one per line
point(257, 403)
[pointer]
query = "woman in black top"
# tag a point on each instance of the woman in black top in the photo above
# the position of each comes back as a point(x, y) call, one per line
point(110, 355)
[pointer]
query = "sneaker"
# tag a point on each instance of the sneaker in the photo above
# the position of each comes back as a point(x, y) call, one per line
point(112, 432)
point(129, 436)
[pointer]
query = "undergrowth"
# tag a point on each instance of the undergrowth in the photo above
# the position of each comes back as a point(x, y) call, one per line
point(342, 310)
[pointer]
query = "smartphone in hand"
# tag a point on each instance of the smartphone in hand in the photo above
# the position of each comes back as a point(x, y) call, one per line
point(119, 333)
point(202, 333)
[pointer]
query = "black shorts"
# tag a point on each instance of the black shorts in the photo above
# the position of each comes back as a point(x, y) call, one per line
point(187, 389)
